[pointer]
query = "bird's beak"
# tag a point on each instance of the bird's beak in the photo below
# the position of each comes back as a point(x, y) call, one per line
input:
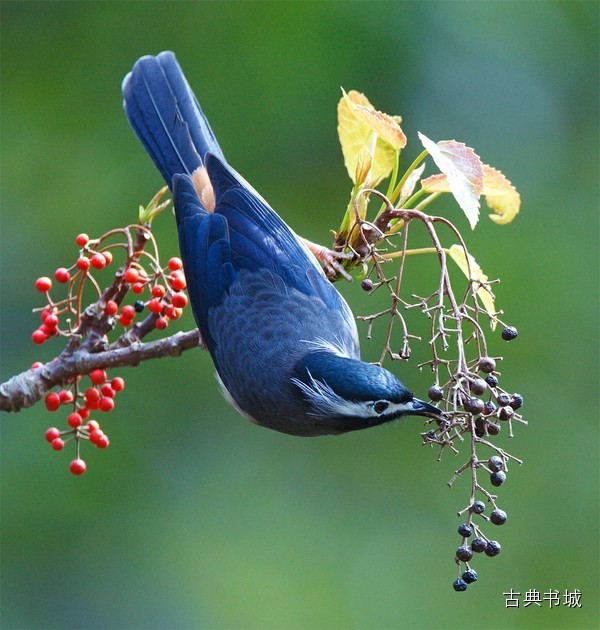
point(418, 407)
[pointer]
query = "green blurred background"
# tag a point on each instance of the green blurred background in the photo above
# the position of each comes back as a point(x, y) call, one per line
point(194, 518)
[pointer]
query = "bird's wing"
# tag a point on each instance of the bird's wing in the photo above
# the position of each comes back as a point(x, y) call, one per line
point(259, 234)
point(243, 233)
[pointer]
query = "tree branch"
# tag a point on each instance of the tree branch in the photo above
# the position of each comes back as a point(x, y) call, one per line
point(27, 388)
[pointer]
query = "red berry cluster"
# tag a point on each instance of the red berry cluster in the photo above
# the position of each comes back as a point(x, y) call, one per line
point(166, 300)
point(49, 325)
point(106, 317)
point(73, 277)
point(98, 397)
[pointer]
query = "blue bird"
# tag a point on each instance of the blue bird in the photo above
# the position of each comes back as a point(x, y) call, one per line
point(283, 340)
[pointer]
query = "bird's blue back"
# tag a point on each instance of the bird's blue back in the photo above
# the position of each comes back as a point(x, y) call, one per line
point(259, 297)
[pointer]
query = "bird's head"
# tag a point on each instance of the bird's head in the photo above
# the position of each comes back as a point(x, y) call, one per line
point(345, 394)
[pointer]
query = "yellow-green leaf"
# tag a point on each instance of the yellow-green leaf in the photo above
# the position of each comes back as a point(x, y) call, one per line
point(409, 184)
point(464, 172)
point(363, 166)
point(386, 127)
point(457, 253)
point(436, 183)
point(500, 195)
point(361, 125)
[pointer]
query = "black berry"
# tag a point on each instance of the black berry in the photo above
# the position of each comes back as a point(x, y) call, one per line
point(498, 517)
point(138, 306)
point(464, 553)
point(497, 478)
point(491, 380)
point(505, 413)
point(496, 463)
point(479, 545)
point(435, 393)
point(478, 507)
point(493, 548)
point(487, 365)
point(489, 408)
point(465, 531)
point(478, 386)
point(473, 405)
point(459, 585)
point(516, 401)
point(480, 426)
point(503, 399)
point(366, 284)
point(493, 429)
point(469, 576)
point(509, 333)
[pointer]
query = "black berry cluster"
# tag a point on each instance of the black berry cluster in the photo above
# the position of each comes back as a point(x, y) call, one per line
point(478, 408)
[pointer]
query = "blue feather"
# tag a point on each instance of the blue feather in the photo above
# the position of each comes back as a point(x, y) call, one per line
point(166, 116)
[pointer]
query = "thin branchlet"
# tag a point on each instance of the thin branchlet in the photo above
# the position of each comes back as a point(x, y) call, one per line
point(457, 343)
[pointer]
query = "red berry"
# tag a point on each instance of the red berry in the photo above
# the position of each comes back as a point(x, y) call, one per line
point(84, 412)
point(47, 330)
point(111, 308)
point(58, 444)
point(82, 239)
point(92, 394)
point(179, 300)
point(125, 321)
point(95, 435)
point(161, 323)
point(51, 321)
point(83, 263)
point(173, 313)
point(62, 275)
point(158, 290)
point(92, 404)
point(98, 261)
point(177, 280)
point(175, 264)
point(93, 425)
point(43, 284)
point(77, 466)
point(47, 311)
point(36, 365)
point(128, 311)
point(98, 377)
point(52, 433)
point(107, 390)
point(108, 257)
point(137, 288)
point(75, 420)
point(38, 336)
point(118, 384)
point(107, 404)
point(102, 442)
point(155, 305)
point(131, 275)
point(52, 401)
point(66, 396)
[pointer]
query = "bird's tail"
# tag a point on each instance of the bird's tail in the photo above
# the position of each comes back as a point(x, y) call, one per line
point(167, 118)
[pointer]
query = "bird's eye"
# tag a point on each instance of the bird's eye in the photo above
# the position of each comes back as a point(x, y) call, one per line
point(380, 406)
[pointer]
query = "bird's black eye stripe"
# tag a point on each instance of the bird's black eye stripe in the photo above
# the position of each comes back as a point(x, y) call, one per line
point(380, 406)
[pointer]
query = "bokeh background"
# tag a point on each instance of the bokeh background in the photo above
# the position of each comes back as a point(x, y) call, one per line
point(194, 518)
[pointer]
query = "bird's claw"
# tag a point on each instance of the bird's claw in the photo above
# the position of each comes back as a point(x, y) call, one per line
point(330, 258)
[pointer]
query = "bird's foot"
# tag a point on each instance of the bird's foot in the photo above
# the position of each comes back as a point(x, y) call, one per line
point(330, 259)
